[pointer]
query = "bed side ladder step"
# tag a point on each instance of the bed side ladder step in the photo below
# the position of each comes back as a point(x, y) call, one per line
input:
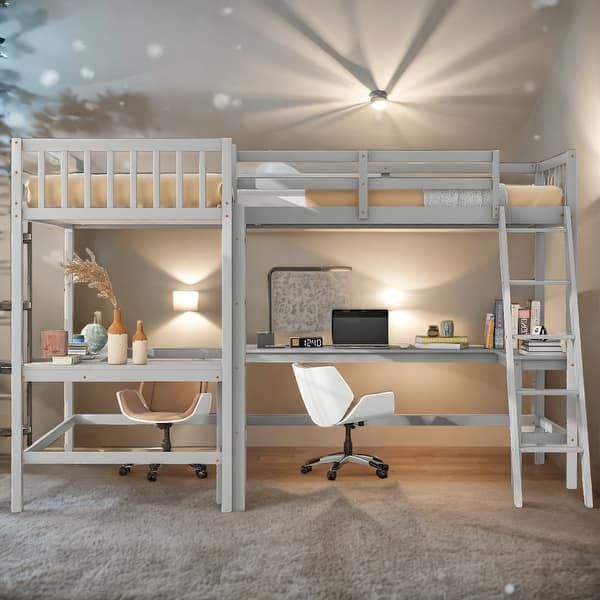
point(539, 282)
point(546, 392)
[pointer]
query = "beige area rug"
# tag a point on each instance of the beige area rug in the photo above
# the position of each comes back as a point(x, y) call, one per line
point(88, 533)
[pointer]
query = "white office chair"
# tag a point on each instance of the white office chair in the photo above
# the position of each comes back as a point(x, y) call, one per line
point(166, 404)
point(328, 400)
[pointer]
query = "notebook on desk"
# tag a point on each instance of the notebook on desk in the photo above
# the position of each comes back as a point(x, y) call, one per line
point(360, 328)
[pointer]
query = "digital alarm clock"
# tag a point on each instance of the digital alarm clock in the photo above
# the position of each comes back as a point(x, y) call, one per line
point(306, 342)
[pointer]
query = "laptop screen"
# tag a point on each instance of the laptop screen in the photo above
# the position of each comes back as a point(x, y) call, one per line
point(357, 327)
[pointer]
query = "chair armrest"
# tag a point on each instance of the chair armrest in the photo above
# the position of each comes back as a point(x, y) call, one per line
point(199, 408)
point(371, 406)
point(131, 403)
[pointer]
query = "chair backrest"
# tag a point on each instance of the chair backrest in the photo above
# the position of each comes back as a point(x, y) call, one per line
point(325, 393)
point(171, 396)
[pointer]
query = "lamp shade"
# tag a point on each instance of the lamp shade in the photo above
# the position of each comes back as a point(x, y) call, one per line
point(185, 300)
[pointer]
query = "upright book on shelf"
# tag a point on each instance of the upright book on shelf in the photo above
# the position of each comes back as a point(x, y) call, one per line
point(524, 315)
point(498, 325)
point(488, 336)
point(535, 316)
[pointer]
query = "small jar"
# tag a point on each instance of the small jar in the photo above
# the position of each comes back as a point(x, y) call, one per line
point(433, 331)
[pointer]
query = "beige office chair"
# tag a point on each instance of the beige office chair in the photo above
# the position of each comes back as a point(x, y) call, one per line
point(165, 404)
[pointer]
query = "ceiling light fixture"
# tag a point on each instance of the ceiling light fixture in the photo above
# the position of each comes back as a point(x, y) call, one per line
point(378, 99)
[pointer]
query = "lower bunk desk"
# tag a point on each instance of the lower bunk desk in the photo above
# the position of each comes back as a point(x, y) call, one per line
point(170, 370)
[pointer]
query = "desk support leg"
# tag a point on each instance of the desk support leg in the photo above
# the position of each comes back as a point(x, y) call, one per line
point(219, 476)
point(239, 359)
point(68, 327)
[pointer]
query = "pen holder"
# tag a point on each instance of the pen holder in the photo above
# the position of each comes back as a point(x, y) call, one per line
point(264, 339)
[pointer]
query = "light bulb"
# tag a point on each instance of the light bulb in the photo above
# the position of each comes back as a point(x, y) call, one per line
point(378, 99)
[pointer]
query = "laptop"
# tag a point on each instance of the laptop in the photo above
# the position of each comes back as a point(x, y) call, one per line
point(364, 328)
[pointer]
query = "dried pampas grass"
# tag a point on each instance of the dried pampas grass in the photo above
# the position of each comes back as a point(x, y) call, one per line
point(90, 272)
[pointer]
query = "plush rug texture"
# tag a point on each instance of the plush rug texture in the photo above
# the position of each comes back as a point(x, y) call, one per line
point(88, 533)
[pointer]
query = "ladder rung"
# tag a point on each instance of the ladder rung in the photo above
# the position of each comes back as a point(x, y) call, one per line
point(545, 336)
point(551, 448)
point(558, 229)
point(546, 392)
point(539, 282)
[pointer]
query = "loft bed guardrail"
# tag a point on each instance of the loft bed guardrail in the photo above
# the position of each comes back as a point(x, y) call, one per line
point(91, 182)
point(399, 188)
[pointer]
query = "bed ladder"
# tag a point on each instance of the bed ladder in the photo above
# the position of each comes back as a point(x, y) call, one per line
point(548, 437)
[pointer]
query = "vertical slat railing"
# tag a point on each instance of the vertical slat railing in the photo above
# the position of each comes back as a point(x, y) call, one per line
point(64, 179)
point(133, 179)
point(202, 179)
point(41, 175)
point(363, 185)
point(495, 183)
point(178, 179)
point(156, 179)
point(87, 179)
point(110, 179)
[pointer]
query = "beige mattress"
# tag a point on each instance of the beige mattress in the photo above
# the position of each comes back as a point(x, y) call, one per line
point(144, 191)
point(517, 195)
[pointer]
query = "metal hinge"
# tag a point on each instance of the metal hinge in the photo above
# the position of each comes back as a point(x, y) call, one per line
point(5, 369)
point(6, 305)
point(26, 429)
point(4, 432)
point(27, 237)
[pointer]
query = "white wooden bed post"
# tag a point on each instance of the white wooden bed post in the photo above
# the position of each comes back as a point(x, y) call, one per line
point(239, 351)
point(16, 330)
point(226, 386)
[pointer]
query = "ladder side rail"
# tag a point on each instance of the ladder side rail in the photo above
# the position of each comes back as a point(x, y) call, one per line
point(539, 402)
point(513, 401)
point(577, 361)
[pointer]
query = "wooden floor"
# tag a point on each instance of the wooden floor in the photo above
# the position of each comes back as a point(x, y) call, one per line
point(408, 464)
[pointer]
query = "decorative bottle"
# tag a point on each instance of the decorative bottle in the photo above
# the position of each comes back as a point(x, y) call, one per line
point(140, 345)
point(95, 334)
point(117, 340)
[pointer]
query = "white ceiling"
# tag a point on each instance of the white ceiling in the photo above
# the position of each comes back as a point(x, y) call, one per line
point(275, 74)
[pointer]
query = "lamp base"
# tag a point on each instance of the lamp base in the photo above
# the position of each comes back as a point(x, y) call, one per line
point(264, 339)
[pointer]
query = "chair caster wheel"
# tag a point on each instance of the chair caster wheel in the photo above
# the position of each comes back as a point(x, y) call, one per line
point(382, 473)
point(124, 471)
point(152, 476)
point(201, 473)
point(305, 469)
point(331, 475)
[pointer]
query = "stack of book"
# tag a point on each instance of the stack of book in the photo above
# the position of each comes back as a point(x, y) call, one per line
point(456, 342)
point(77, 349)
point(547, 347)
point(66, 360)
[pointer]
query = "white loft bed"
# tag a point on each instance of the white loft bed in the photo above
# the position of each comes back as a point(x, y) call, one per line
point(362, 189)
point(278, 200)
point(87, 160)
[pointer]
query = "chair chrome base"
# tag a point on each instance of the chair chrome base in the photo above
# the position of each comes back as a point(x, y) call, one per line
point(347, 456)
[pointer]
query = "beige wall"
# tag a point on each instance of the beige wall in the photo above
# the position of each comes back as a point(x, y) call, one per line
point(421, 277)
point(568, 115)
